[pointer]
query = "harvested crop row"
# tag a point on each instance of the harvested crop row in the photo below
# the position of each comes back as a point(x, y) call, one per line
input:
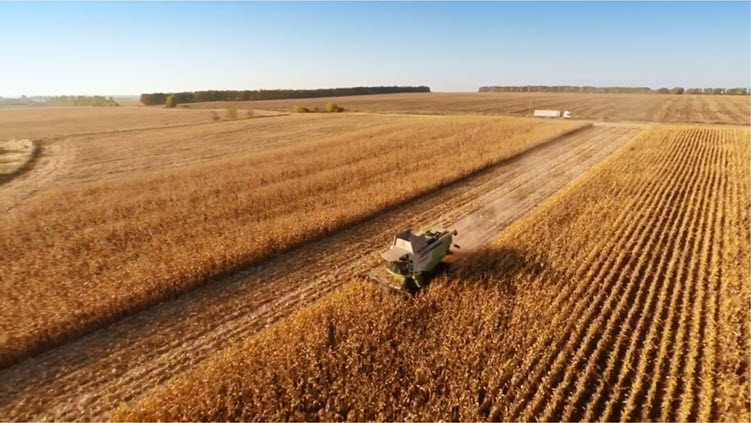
point(623, 297)
point(73, 259)
point(45, 122)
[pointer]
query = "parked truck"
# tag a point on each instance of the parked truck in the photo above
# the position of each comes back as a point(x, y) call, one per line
point(563, 114)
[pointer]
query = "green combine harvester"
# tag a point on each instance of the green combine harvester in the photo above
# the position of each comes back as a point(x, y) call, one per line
point(411, 258)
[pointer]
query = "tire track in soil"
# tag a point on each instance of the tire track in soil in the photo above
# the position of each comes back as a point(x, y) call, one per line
point(87, 378)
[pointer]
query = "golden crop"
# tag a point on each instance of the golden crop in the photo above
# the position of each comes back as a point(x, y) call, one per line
point(75, 258)
point(624, 297)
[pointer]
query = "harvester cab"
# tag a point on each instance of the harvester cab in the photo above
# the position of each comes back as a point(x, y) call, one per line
point(411, 257)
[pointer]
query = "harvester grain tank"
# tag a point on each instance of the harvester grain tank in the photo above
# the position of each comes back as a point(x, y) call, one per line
point(562, 114)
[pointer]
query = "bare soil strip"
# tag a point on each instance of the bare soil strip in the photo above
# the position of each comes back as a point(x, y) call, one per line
point(87, 378)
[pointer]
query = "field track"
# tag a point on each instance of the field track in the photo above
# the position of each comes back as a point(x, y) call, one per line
point(87, 378)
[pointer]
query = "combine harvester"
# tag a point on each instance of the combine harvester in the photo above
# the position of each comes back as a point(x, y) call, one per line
point(411, 258)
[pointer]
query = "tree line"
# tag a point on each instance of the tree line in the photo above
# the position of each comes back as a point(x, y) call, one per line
point(60, 100)
point(151, 99)
point(622, 90)
point(81, 100)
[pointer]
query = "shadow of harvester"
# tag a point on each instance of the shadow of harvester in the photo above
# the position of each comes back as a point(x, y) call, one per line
point(496, 267)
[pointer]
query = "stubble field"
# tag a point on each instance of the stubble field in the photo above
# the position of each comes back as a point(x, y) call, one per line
point(613, 107)
point(54, 122)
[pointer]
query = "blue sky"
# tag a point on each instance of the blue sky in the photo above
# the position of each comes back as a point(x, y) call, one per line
point(130, 48)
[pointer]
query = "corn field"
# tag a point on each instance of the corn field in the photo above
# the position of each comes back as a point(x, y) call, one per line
point(74, 259)
point(623, 297)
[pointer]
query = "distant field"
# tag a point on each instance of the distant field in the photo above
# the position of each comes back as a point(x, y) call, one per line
point(629, 107)
point(628, 306)
point(104, 156)
point(158, 220)
point(46, 122)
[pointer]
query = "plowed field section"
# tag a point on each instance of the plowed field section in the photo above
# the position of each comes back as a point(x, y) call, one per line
point(625, 297)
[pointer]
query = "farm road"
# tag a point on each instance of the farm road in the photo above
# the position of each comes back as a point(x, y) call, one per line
point(87, 378)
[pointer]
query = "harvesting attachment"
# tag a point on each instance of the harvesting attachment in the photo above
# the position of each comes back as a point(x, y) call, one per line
point(411, 258)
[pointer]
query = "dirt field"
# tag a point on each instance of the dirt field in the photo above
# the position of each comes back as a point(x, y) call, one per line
point(630, 306)
point(122, 361)
point(615, 107)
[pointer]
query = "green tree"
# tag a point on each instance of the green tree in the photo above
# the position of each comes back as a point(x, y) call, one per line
point(170, 102)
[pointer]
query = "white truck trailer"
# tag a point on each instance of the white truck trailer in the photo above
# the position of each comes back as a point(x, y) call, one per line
point(563, 114)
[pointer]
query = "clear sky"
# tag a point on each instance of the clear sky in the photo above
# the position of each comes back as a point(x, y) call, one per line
point(130, 48)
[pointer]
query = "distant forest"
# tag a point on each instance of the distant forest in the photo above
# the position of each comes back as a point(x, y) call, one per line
point(250, 95)
point(622, 90)
point(60, 100)
point(80, 100)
